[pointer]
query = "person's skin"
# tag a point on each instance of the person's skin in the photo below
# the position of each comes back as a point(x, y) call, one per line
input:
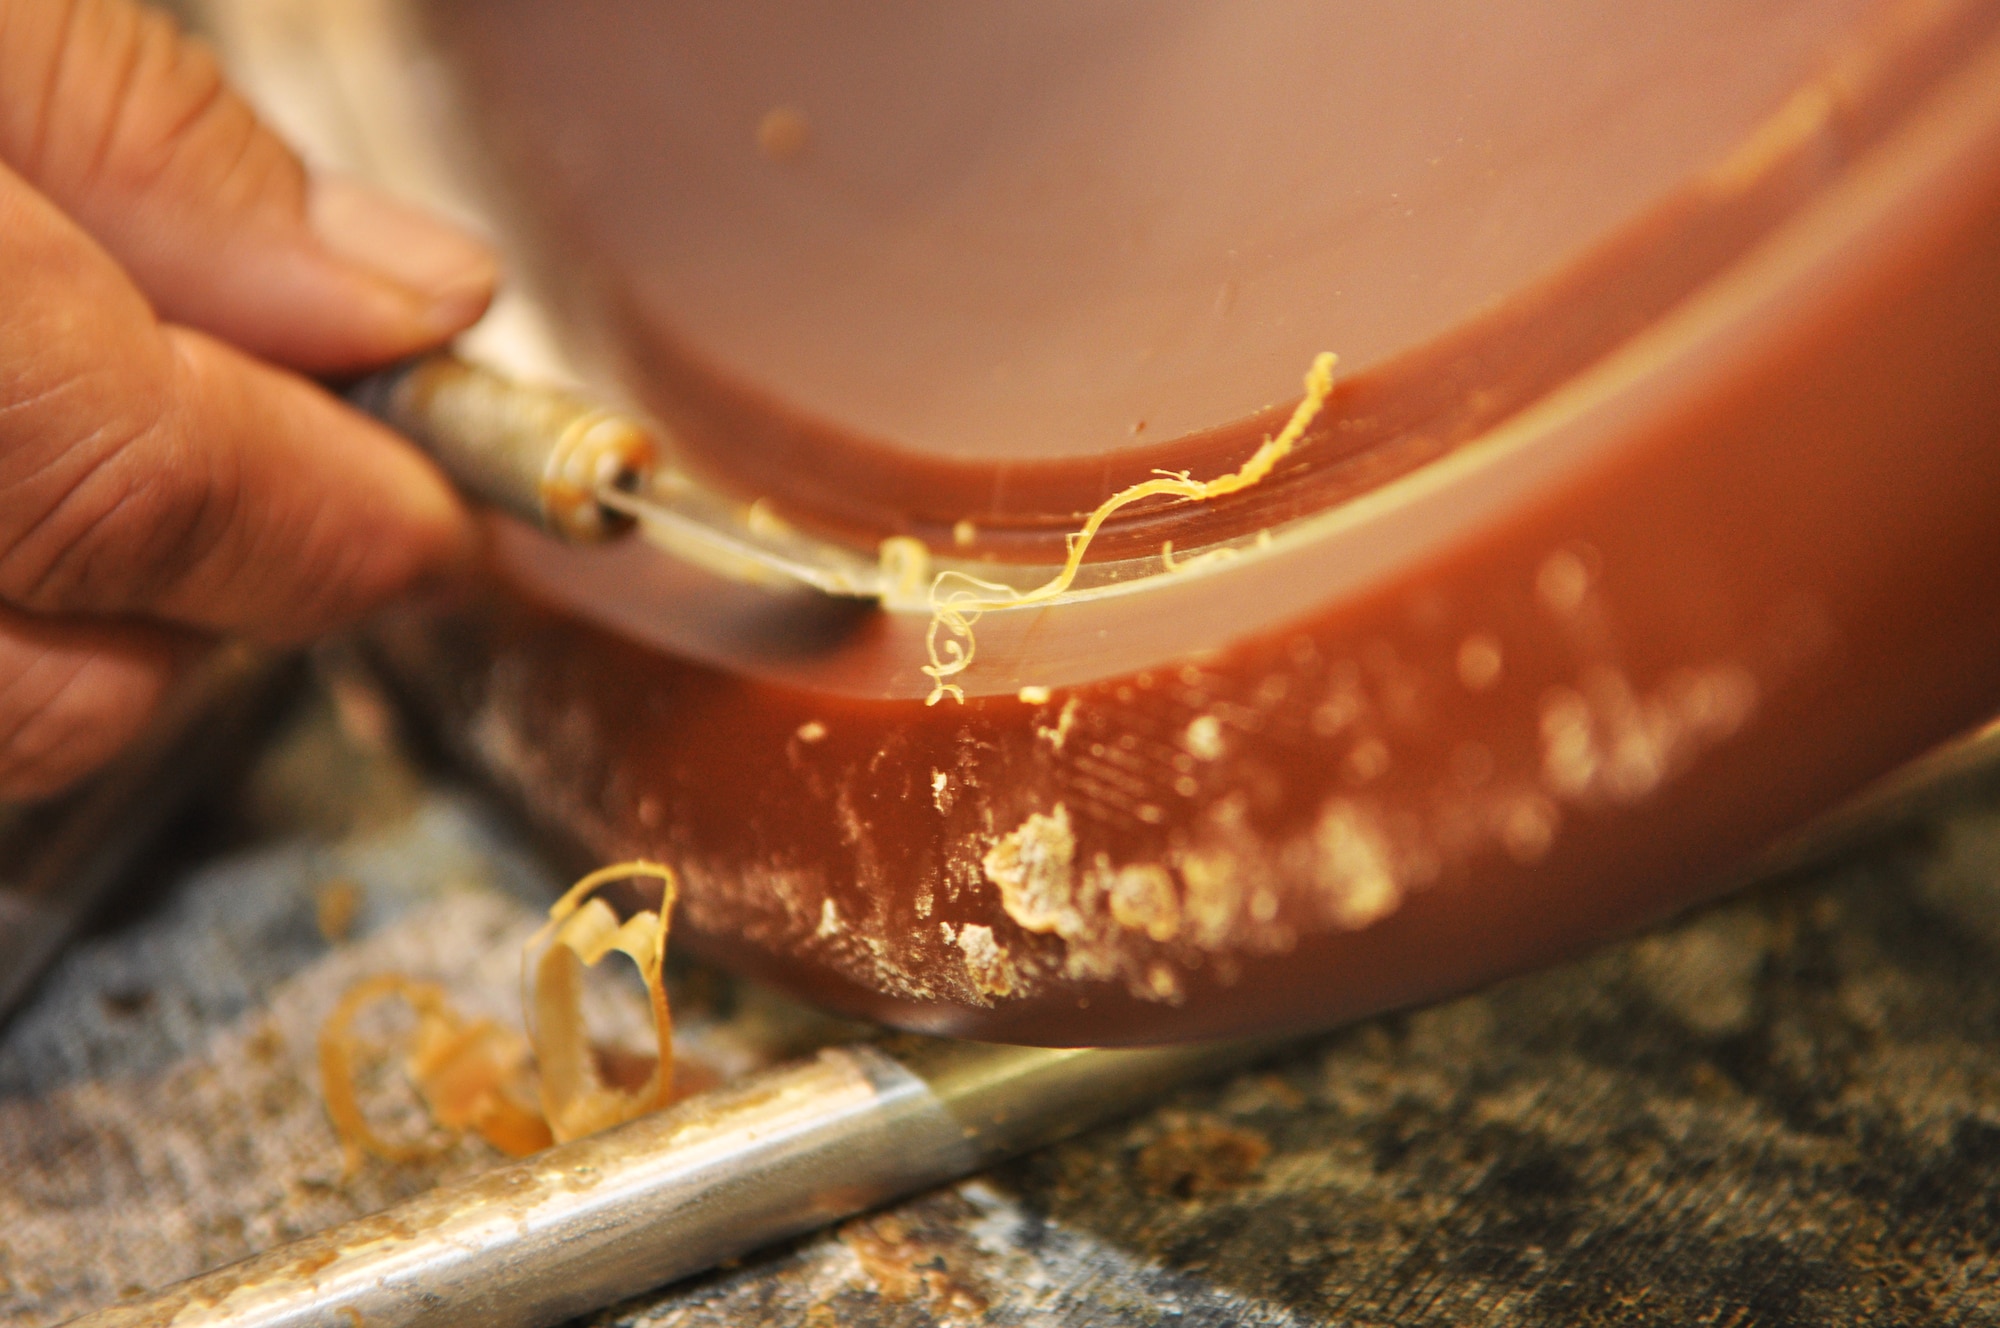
point(169, 278)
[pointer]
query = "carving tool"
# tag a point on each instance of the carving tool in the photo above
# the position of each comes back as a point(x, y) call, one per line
point(590, 1222)
point(586, 473)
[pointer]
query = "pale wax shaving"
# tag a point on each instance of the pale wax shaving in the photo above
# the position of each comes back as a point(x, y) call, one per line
point(474, 1075)
point(954, 614)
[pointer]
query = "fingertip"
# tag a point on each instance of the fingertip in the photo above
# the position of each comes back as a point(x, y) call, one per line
point(446, 275)
point(132, 131)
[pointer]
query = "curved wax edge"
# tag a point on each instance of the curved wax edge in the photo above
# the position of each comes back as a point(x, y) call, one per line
point(1763, 583)
point(1021, 239)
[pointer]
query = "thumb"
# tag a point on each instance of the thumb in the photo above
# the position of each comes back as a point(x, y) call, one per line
point(128, 126)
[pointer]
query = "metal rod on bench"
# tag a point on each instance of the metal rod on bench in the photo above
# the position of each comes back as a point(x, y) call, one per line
point(596, 1220)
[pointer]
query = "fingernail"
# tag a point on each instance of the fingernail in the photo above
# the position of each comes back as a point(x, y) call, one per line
point(449, 272)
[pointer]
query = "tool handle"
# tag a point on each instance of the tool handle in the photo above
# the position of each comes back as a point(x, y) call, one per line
point(541, 453)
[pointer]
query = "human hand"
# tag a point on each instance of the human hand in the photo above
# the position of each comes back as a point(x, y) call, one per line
point(162, 479)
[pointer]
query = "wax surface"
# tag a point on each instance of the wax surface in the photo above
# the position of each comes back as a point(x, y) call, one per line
point(1655, 516)
point(1048, 247)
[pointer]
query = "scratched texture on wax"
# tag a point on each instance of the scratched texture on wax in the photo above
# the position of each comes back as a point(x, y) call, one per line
point(1781, 1110)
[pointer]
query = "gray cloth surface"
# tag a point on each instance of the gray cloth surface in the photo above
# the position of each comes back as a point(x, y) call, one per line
point(1781, 1110)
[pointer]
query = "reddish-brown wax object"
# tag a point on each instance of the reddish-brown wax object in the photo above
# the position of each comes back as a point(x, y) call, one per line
point(1602, 568)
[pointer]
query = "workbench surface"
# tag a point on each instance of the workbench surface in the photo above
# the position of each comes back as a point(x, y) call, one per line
point(1781, 1110)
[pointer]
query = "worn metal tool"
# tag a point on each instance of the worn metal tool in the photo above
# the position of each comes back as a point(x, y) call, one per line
point(586, 472)
point(593, 1221)
point(541, 453)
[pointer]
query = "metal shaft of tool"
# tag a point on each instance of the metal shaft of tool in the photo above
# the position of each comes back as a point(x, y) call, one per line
point(539, 452)
point(593, 1221)
point(586, 473)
